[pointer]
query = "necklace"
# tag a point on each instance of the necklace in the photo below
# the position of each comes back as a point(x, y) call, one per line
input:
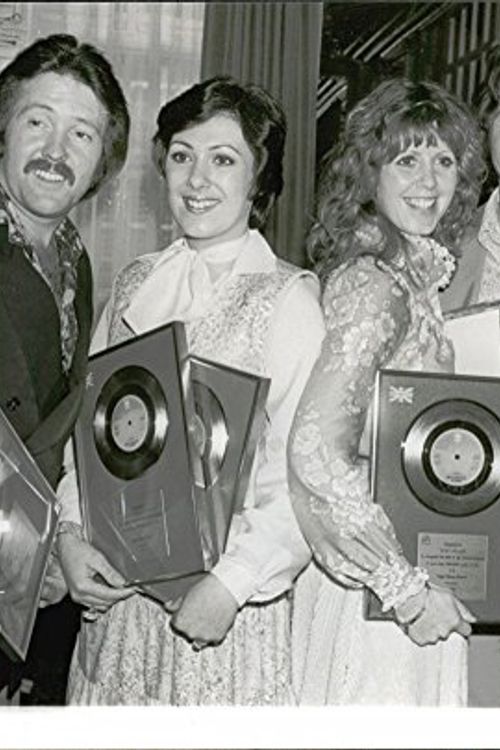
point(447, 260)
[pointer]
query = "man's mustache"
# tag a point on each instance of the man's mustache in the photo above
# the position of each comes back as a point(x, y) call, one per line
point(57, 167)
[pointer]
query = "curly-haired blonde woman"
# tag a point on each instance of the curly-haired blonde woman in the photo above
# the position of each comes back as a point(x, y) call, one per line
point(394, 200)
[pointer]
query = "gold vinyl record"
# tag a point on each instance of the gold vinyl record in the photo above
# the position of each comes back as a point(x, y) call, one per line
point(211, 435)
point(451, 457)
point(130, 422)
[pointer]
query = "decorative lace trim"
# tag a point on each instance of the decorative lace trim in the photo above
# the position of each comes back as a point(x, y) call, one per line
point(445, 263)
point(396, 581)
point(443, 255)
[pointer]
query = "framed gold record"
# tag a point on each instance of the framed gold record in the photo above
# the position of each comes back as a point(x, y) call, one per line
point(211, 435)
point(229, 406)
point(435, 469)
point(133, 458)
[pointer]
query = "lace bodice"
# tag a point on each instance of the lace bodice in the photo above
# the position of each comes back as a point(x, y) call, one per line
point(376, 315)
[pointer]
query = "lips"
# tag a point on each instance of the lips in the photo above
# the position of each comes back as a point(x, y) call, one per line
point(199, 205)
point(50, 172)
point(421, 203)
point(48, 176)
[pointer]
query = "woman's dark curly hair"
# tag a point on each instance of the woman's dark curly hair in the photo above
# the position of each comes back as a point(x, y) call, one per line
point(396, 115)
point(262, 122)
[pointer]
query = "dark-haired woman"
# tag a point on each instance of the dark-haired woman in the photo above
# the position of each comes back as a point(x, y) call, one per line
point(220, 147)
point(394, 200)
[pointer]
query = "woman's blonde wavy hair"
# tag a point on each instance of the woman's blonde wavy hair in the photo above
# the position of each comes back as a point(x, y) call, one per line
point(397, 114)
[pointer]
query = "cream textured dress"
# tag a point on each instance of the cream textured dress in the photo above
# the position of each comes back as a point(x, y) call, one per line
point(376, 315)
point(260, 314)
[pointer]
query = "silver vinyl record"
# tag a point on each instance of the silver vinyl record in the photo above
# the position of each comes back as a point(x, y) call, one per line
point(451, 457)
point(210, 434)
point(130, 422)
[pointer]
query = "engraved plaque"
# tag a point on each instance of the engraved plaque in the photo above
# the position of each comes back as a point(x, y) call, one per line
point(436, 471)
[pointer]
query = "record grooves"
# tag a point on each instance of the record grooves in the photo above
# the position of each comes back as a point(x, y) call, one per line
point(451, 457)
point(130, 422)
point(211, 434)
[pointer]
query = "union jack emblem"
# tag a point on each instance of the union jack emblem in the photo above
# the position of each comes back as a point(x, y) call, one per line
point(400, 395)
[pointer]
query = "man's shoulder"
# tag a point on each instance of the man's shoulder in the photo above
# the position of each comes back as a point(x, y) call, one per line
point(470, 236)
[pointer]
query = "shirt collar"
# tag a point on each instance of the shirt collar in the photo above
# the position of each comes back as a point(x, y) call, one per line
point(178, 286)
point(17, 235)
point(251, 253)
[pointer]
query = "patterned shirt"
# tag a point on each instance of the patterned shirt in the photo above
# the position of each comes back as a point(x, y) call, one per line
point(62, 284)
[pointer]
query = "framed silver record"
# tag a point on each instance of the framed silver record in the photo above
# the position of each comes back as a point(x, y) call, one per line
point(436, 471)
point(134, 462)
point(28, 519)
point(230, 415)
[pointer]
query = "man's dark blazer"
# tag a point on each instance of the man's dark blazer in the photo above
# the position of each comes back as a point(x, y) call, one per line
point(39, 399)
point(42, 404)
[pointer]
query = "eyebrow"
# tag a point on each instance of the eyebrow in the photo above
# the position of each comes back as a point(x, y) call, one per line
point(417, 149)
point(212, 148)
point(47, 108)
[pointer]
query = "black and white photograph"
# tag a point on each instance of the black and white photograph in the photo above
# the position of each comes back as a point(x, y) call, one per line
point(250, 350)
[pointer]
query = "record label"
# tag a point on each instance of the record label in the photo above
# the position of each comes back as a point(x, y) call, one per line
point(457, 457)
point(129, 422)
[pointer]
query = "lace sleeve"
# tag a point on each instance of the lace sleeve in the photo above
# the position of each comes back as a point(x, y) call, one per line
point(367, 317)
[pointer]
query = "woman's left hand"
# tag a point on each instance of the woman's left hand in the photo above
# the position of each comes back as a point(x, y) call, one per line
point(206, 613)
point(442, 615)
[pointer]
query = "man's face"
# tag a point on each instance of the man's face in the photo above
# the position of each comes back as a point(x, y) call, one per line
point(53, 144)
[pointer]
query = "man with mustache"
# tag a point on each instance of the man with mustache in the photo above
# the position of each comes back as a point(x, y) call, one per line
point(64, 129)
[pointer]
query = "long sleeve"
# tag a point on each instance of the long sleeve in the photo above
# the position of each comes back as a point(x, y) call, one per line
point(266, 549)
point(367, 317)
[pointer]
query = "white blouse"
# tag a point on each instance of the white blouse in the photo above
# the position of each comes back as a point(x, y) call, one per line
point(265, 549)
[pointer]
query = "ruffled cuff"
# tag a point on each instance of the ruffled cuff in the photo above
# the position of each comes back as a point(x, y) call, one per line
point(396, 581)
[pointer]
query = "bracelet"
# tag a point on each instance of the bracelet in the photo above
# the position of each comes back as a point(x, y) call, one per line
point(70, 527)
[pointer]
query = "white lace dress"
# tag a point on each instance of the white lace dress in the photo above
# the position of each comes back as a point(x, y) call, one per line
point(376, 315)
point(262, 315)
